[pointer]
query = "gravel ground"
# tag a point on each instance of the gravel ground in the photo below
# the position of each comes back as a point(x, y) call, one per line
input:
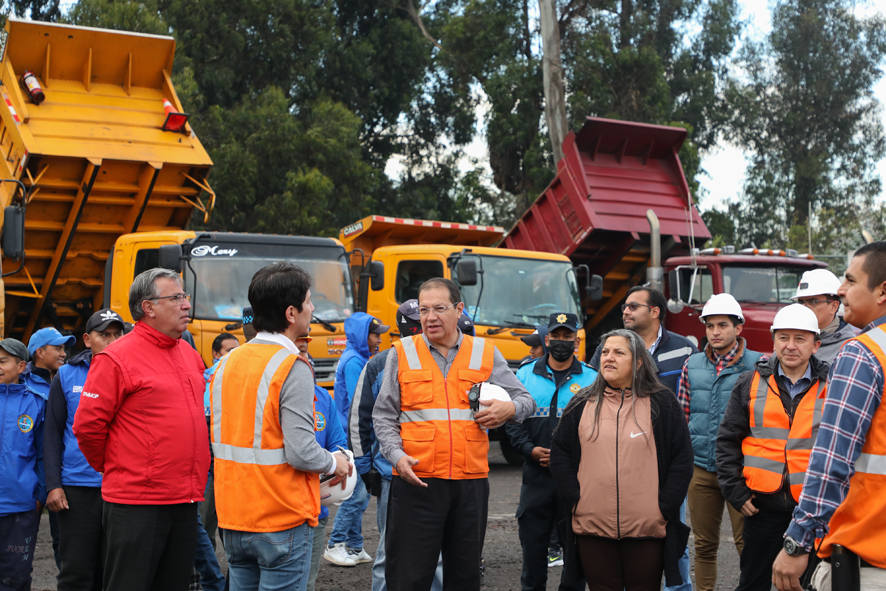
point(502, 551)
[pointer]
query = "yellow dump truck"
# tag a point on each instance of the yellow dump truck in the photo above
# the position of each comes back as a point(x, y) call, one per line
point(99, 173)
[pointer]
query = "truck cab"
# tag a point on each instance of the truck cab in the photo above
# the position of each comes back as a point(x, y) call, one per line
point(762, 281)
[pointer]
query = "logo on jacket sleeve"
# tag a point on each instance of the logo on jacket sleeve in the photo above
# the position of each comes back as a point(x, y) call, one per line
point(574, 388)
point(25, 423)
point(319, 421)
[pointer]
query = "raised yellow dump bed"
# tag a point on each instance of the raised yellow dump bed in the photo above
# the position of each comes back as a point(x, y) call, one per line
point(94, 159)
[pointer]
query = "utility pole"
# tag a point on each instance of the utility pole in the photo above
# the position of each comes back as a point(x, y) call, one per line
point(555, 95)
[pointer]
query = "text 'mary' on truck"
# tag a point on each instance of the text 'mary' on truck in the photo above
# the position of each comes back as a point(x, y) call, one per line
point(507, 293)
point(217, 269)
point(597, 210)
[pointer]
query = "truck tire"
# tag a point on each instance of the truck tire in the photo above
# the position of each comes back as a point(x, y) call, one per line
point(512, 456)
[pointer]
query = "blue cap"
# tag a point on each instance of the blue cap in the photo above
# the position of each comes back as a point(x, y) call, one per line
point(48, 336)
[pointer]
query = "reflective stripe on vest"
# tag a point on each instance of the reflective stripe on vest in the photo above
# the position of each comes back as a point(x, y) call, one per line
point(776, 445)
point(437, 425)
point(254, 454)
point(859, 523)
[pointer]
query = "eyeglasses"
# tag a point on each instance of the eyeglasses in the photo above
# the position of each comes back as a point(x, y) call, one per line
point(438, 310)
point(814, 302)
point(176, 299)
point(634, 306)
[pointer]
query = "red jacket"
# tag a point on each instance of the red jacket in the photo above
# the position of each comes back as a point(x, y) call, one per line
point(141, 420)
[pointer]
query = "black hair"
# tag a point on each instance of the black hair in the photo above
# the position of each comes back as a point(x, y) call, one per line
point(654, 298)
point(735, 320)
point(217, 341)
point(272, 290)
point(874, 263)
point(454, 293)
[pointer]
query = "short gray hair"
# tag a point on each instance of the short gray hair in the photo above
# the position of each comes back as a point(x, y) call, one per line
point(144, 288)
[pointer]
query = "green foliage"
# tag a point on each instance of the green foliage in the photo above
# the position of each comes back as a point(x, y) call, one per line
point(807, 114)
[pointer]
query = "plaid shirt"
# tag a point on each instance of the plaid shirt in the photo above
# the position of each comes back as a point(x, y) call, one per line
point(855, 387)
point(720, 362)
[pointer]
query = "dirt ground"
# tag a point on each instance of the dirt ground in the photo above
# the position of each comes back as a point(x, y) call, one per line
point(502, 550)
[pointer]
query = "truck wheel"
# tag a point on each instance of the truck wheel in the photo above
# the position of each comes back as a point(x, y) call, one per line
point(512, 456)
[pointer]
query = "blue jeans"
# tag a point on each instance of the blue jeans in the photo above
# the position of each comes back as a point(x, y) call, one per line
point(684, 560)
point(348, 524)
point(206, 562)
point(273, 561)
point(378, 567)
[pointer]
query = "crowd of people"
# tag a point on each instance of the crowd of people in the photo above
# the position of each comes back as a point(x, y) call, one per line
point(142, 455)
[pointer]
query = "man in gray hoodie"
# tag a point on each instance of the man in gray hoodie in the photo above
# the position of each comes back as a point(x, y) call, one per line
point(818, 292)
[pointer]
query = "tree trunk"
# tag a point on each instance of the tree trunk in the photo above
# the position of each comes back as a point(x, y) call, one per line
point(555, 95)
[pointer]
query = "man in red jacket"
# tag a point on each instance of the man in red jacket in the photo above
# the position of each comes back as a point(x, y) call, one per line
point(141, 423)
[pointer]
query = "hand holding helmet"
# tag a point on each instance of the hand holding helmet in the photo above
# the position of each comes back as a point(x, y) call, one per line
point(331, 494)
point(496, 406)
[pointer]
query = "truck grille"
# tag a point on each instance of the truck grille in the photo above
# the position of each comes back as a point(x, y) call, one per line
point(324, 370)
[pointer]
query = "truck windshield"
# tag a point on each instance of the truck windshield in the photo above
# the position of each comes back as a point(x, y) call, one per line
point(768, 285)
point(521, 292)
point(224, 271)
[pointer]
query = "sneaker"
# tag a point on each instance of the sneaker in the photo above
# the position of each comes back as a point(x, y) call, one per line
point(555, 557)
point(338, 554)
point(359, 557)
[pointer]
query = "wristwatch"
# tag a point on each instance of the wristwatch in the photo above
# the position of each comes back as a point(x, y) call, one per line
point(474, 397)
point(793, 548)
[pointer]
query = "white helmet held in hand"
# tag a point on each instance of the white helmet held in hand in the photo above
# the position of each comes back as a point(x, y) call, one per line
point(795, 316)
point(817, 282)
point(722, 304)
point(333, 496)
point(490, 392)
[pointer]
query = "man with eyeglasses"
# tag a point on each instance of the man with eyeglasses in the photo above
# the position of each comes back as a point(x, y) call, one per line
point(431, 428)
point(644, 313)
point(141, 424)
point(818, 292)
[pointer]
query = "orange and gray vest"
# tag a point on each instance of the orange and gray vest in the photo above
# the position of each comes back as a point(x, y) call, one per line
point(859, 523)
point(256, 489)
point(436, 421)
point(777, 445)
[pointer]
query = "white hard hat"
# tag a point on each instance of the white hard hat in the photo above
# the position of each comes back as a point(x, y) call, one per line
point(817, 282)
point(796, 316)
point(333, 496)
point(722, 303)
point(490, 392)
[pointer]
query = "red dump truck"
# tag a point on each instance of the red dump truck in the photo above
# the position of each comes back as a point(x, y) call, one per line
point(619, 203)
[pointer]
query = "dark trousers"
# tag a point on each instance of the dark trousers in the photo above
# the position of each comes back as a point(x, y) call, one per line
point(81, 540)
point(448, 516)
point(53, 533)
point(763, 540)
point(631, 564)
point(150, 547)
point(539, 509)
point(18, 538)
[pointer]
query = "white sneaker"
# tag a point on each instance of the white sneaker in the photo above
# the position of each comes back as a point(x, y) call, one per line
point(339, 555)
point(359, 557)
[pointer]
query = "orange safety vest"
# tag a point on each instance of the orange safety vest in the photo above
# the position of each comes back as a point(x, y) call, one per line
point(775, 444)
point(256, 489)
point(436, 421)
point(859, 523)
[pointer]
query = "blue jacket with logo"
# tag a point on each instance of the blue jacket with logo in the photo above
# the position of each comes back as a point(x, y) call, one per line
point(35, 382)
point(709, 394)
point(352, 362)
point(22, 481)
point(361, 435)
point(327, 427)
point(550, 400)
point(64, 462)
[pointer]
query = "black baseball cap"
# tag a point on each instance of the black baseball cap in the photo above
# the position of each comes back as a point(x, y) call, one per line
point(377, 327)
point(465, 324)
point(408, 318)
point(103, 319)
point(559, 319)
point(533, 340)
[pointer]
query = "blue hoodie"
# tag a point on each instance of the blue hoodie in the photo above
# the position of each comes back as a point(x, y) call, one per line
point(352, 362)
point(22, 481)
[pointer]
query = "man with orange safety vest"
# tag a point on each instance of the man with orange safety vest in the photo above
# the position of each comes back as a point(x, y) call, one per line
point(766, 437)
point(430, 426)
point(267, 459)
point(843, 502)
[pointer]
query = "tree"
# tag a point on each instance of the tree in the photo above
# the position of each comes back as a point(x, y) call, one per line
point(807, 115)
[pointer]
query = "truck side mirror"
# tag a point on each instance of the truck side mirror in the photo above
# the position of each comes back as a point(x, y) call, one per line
point(13, 232)
point(377, 275)
point(467, 272)
point(171, 257)
point(595, 288)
